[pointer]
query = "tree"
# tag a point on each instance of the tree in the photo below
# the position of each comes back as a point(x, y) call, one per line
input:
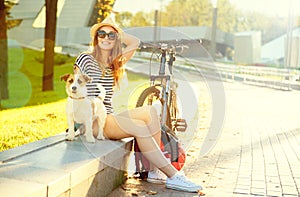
point(124, 19)
point(3, 54)
point(141, 19)
point(186, 13)
point(50, 32)
point(199, 13)
point(101, 10)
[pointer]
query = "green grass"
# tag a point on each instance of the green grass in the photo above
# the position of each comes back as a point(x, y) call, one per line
point(19, 126)
point(31, 114)
point(25, 79)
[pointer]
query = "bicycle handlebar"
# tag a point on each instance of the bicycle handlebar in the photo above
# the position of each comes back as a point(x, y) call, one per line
point(172, 47)
point(168, 47)
point(167, 54)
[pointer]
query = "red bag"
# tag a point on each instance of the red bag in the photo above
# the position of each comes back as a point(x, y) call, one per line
point(172, 149)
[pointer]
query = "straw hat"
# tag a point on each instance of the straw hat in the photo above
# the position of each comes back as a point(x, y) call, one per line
point(108, 21)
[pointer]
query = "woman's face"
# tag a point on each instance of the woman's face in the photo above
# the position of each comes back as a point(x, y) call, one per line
point(107, 37)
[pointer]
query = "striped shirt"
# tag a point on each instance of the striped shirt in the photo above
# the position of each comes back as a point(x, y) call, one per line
point(89, 66)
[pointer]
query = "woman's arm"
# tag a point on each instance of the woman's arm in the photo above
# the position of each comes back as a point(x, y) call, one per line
point(132, 43)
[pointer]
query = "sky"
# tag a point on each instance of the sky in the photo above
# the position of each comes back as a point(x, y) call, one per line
point(269, 7)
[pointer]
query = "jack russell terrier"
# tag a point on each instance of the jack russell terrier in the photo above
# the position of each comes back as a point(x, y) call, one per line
point(84, 110)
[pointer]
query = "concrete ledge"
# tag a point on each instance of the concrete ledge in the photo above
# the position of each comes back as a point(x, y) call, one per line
point(55, 167)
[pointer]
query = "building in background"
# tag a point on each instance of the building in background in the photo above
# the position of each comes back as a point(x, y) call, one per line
point(247, 47)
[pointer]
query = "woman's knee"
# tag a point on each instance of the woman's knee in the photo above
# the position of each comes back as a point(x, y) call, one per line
point(153, 119)
point(149, 114)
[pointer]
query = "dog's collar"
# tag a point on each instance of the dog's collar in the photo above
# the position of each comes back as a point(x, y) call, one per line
point(79, 98)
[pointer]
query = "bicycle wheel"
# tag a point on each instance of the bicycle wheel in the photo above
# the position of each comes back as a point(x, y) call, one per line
point(148, 97)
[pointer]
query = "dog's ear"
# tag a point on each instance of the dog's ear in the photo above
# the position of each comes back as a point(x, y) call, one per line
point(76, 69)
point(87, 78)
point(64, 77)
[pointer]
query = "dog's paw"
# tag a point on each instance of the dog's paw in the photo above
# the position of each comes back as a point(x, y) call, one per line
point(90, 139)
point(100, 136)
point(70, 137)
point(77, 132)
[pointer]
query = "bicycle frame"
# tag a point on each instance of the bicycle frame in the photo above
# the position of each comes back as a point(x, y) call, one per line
point(166, 93)
point(165, 82)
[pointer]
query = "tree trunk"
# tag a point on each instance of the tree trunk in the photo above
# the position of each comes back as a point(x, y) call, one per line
point(3, 53)
point(50, 31)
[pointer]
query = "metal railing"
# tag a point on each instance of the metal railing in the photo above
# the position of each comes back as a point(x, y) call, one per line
point(278, 78)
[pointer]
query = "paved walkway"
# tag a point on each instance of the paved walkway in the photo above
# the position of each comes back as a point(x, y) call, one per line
point(257, 153)
point(259, 150)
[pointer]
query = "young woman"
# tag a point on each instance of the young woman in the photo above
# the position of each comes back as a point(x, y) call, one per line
point(111, 48)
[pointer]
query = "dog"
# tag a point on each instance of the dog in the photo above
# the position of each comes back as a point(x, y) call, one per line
point(84, 110)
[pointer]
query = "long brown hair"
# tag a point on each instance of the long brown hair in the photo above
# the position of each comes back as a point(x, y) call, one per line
point(116, 57)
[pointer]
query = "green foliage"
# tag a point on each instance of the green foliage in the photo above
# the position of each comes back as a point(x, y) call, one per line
point(102, 9)
point(124, 19)
point(25, 71)
point(199, 13)
point(186, 13)
point(10, 23)
point(141, 19)
point(59, 59)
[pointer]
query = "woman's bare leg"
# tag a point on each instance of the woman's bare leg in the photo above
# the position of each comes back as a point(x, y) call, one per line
point(143, 124)
point(149, 115)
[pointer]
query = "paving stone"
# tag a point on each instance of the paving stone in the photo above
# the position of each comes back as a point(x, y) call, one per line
point(274, 193)
point(241, 191)
point(289, 190)
point(258, 184)
point(258, 191)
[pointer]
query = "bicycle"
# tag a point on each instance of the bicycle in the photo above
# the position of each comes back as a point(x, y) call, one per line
point(163, 88)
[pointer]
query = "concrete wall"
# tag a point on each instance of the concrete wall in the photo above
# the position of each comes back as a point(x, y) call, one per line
point(55, 167)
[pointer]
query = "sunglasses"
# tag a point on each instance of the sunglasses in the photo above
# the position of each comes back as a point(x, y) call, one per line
point(111, 35)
